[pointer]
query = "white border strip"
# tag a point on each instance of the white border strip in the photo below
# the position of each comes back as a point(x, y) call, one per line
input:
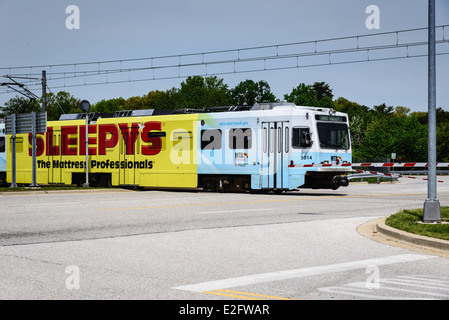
point(299, 273)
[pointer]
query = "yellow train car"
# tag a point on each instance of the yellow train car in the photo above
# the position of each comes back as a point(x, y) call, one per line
point(146, 151)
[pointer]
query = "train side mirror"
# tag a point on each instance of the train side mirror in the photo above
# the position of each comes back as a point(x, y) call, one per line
point(308, 139)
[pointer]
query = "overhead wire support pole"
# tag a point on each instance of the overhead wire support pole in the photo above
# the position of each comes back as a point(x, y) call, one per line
point(44, 91)
point(33, 136)
point(432, 211)
point(13, 152)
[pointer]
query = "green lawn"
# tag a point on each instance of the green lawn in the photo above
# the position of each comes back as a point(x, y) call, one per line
point(411, 221)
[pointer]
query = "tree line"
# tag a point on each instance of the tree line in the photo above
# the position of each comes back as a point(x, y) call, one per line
point(376, 132)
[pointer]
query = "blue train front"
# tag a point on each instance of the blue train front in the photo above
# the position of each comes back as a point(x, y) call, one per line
point(273, 147)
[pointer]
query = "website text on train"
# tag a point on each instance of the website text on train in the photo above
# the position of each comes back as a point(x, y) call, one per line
point(262, 147)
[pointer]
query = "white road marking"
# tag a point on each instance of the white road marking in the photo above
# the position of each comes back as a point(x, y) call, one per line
point(415, 287)
point(241, 210)
point(299, 273)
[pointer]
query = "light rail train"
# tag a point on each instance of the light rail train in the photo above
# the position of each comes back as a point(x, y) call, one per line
point(264, 147)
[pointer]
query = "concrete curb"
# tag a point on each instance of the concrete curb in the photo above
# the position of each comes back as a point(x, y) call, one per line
point(411, 238)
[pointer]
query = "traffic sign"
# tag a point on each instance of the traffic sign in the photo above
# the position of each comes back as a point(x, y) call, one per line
point(24, 123)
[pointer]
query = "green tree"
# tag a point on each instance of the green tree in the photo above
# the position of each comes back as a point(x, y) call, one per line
point(108, 106)
point(135, 103)
point(411, 139)
point(323, 90)
point(443, 142)
point(351, 108)
point(60, 103)
point(378, 140)
point(421, 116)
point(402, 112)
point(383, 110)
point(302, 95)
point(357, 127)
point(159, 100)
point(441, 114)
point(249, 92)
point(406, 137)
point(317, 95)
point(442, 131)
point(19, 104)
point(359, 117)
point(197, 92)
point(171, 99)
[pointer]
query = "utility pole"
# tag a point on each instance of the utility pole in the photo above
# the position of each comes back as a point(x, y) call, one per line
point(432, 211)
point(85, 106)
point(13, 151)
point(44, 91)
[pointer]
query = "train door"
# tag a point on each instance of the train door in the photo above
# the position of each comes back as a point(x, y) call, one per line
point(274, 158)
point(54, 143)
point(127, 154)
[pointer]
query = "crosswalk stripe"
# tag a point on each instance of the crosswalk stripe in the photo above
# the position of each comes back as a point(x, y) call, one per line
point(299, 273)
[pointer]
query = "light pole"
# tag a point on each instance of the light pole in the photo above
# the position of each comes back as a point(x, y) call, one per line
point(85, 106)
point(432, 212)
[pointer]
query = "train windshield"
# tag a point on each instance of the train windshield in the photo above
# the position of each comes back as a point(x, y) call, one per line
point(2, 144)
point(333, 135)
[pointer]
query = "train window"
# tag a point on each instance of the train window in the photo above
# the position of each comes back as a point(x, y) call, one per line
point(179, 135)
point(211, 139)
point(279, 140)
point(265, 142)
point(333, 135)
point(272, 139)
point(157, 134)
point(240, 138)
point(286, 139)
point(2, 144)
point(301, 138)
point(183, 139)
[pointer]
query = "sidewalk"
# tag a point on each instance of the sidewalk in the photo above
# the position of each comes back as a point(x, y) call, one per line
point(377, 230)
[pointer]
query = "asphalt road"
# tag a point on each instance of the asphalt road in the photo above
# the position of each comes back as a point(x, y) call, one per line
point(171, 245)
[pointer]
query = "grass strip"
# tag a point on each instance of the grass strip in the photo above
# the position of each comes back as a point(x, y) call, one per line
point(411, 221)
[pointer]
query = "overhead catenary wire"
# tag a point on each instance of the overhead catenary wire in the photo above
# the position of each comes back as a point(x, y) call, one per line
point(240, 60)
point(62, 110)
point(99, 71)
point(442, 27)
point(230, 60)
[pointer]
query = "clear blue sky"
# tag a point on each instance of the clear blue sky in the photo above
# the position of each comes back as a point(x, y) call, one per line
point(35, 33)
